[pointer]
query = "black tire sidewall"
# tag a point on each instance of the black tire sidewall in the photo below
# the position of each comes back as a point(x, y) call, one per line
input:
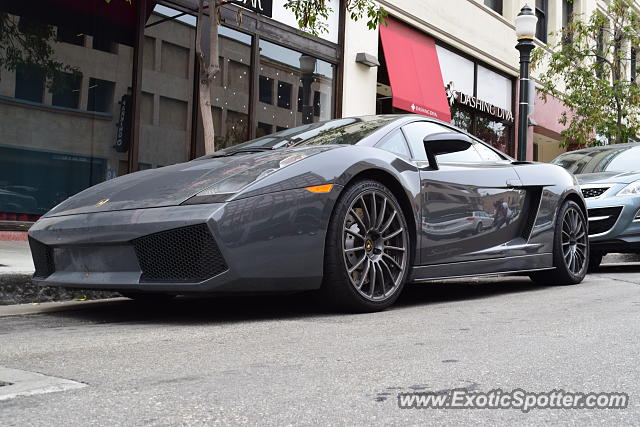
point(336, 284)
point(563, 273)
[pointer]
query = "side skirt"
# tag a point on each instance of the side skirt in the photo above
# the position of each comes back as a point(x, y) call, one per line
point(514, 264)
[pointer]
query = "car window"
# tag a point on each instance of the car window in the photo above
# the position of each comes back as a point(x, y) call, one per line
point(628, 160)
point(609, 159)
point(416, 132)
point(396, 144)
point(487, 154)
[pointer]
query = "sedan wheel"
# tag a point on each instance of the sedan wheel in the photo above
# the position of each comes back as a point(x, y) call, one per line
point(368, 248)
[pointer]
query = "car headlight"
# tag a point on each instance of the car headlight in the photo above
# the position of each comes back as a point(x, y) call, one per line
point(632, 189)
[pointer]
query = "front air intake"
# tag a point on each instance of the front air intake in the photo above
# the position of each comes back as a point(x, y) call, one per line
point(42, 259)
point(186, 254)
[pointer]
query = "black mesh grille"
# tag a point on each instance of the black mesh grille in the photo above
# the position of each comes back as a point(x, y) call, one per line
point(605, 224)
point(593, 192)
point(42, 258)
point(187, 254)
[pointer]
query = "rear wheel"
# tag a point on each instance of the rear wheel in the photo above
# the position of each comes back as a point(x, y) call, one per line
point(570, 248)
point(367, 251)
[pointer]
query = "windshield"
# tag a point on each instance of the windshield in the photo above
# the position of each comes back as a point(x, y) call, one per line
point(340, 131)
point(614, 159)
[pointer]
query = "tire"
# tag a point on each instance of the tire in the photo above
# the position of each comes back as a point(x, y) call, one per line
point(595, 259)
point(367, 251)
point(479, 228)
point(147, 297)
point(570, 248)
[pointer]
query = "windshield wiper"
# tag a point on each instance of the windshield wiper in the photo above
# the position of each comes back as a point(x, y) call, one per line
point(241, 150)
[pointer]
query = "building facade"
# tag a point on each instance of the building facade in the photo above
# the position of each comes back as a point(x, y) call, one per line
point(66, 131)
point(123, 96)
point(473, 66)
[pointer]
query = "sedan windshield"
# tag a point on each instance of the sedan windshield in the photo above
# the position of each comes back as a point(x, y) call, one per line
point(613, 159)
point(340, 131)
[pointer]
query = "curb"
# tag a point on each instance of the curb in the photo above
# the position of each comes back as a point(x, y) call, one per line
point(52, 307)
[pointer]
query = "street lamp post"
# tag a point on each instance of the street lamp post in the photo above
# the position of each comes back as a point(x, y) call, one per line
point(525, 32)
point(307, 68)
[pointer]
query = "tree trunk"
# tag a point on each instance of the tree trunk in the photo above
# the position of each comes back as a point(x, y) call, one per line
point(207, 71)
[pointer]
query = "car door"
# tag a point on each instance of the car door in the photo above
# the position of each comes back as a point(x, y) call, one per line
point(466, 183)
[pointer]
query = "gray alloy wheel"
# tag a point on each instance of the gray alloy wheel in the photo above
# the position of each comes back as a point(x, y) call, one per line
point(368, 249)
point(574, 240)
point(374, 246)
point(570, 248)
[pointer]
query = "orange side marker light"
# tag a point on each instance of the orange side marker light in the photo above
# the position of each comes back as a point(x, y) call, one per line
point(326, 188)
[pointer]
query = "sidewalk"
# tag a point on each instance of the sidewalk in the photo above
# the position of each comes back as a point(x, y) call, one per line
point(15, 257)
point(16, 269)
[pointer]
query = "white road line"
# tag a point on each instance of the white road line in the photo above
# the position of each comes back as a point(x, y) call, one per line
point(25, 383)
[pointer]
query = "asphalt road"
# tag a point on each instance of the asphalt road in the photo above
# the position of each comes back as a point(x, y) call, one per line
point(283, 360)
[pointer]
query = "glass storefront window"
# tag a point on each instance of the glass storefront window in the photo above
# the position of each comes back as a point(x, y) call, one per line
point(167, 81)
point(59, 118)
point(493, 132)
point(231, 88)
point(295, 89)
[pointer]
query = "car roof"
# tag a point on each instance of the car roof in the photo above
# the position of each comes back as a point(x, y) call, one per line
point(627, 145)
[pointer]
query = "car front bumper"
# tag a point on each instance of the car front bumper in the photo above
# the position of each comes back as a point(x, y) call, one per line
point(273, 242)
point(620, 232)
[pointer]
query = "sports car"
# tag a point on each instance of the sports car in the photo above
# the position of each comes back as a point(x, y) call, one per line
point(353, 207)
point(609, 177)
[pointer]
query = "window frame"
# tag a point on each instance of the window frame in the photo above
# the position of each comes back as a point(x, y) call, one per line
point(475, 140)
point(542, 27)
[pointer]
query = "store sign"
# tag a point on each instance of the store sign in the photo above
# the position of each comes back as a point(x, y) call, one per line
point(263, 7)
point(124, 125)
point(456, 97)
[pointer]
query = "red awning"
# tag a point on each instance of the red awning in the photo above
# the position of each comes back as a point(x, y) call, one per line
point(414, 71)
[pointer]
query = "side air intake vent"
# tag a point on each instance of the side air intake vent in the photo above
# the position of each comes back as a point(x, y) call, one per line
point(186, 254)
point(42, 258)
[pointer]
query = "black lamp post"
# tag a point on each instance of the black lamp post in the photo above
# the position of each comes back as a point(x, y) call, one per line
point(525, 31)
point(307, 68)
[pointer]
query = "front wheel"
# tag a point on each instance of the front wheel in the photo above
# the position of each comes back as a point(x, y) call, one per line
point(367, 255)
point(570, 248)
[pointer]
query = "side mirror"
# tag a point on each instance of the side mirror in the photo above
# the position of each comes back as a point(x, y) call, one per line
point(443, 143)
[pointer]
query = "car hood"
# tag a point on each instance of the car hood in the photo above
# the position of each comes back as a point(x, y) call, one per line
point(172, 185)
point(607, 178)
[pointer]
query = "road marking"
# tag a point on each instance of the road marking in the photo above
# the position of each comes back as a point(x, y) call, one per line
point(25, 383)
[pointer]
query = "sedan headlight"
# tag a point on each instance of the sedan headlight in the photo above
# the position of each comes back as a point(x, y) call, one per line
point(632, 189)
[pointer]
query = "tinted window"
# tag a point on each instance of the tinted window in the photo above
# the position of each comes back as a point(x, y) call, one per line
point(612, 159)
point(418, 130)
point(396, 144)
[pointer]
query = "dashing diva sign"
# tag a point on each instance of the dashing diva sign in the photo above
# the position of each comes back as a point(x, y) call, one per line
point(456, 97)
